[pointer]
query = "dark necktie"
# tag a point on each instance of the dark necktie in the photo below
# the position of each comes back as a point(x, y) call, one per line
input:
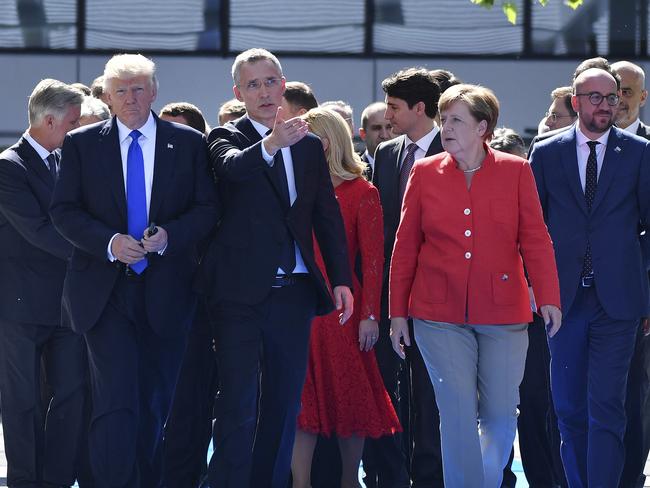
point(288, 250)
point(591, 181)
point(405, 170)
point(136, 196)
point(51, 163)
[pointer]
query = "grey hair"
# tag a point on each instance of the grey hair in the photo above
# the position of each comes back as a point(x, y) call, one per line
point(92, 106)
point(51, 97)
point(339, 106)
point(508, 141)
point(252, 56)
point(126, 66)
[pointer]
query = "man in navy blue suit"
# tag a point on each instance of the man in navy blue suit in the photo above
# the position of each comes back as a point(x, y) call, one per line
point(261, 276)
point(593, 182)
point(135, 198)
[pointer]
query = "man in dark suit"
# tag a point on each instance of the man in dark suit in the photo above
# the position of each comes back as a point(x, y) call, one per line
point(374, 130)
point(261, 276)
point(40, 451)
point(412, 105)
point(637, 408)
point(134, 197)
point(592, 181)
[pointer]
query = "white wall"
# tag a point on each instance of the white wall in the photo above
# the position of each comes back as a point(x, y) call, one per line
point(522, 86)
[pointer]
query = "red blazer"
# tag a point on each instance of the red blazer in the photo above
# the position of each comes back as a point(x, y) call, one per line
point(458, 252)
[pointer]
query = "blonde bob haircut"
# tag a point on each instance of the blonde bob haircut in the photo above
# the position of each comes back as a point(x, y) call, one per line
point(341, 158)
point(481, 101)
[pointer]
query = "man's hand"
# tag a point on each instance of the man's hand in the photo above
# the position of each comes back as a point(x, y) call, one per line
point(552, 315)
point(285, 133)
point(344, 301)
point(126, 249)
point(368, 334)
point(399, 329)
point(156, 242)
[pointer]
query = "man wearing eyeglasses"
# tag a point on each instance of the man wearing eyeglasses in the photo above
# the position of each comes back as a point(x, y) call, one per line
point(261, 277)
point(560, 114)
point(592, 181)
point(637, 435)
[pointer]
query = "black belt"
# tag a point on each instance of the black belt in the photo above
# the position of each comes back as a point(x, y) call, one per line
point(289, 280)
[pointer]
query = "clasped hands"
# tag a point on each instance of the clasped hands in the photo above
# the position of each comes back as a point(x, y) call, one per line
point(129, 251)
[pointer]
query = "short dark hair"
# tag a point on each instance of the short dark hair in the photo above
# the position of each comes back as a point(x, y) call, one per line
point(444, 78)
point(564, 93)
point(190, 112)
point(414, 85)
point(300, 95)
point(598, 63)
point(508, 141)
point(231, 109)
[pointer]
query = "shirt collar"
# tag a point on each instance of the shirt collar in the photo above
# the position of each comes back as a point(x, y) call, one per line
point(261, 128)
point(425, 141)
point(582, 139)
point(148, 130)
point(371, 160)
point(42, 152)
point(633, 127)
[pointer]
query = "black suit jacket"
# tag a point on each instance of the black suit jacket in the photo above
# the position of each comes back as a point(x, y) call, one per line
point(33, 258)
point(643, 131)
point(367, 172)
point(242, 258)
point(89, 207)
point(386, 178)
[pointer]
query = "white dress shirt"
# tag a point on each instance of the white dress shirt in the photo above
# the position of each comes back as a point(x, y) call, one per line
point(583, 153)
point(423, 144)
point(147, 142)
point(42, 152)
point(291, 183)
point(633, 127)
point(371, 160)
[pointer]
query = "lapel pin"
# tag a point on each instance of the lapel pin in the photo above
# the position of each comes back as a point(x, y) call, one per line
point(617, 149)
point(170, 146)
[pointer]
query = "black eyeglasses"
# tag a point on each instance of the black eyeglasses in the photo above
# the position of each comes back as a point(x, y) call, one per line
point(596, 98)
point(553, 116)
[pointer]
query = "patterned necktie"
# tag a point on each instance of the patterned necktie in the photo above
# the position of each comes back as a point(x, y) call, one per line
point(405, 170)
point(51, 164)
point(591, 181)
point(136, 197)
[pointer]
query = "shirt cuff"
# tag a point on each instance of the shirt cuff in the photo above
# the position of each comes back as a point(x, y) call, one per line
point(109, 254)
point(267, 157)
point(162, 251)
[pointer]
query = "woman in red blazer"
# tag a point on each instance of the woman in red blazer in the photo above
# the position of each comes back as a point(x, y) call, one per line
point(469, 216)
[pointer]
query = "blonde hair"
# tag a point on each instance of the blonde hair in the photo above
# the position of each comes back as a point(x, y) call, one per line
point(126, 66)
point(481, 101)
point(341, 158)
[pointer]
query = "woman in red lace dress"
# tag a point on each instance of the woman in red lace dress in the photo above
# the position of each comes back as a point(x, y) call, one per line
point(344, 394)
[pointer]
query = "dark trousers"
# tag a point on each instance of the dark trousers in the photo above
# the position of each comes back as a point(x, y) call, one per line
point(539, 447)
point(637, 410)
point(254, 450)
point(189, 426)
point(133, 372)
point(590, 359)
point(41, 449)
point(384, 459)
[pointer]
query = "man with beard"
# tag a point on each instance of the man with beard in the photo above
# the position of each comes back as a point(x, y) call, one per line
point(592, 181)
point(637, 435)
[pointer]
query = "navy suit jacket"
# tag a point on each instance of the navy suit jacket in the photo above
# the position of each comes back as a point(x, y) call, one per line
point(242, 259)
point(386, 178)
point(621, 205)
point(89, 207)
point(34, 255)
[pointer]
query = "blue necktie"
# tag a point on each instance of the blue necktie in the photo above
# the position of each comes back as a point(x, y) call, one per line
point(136, 197)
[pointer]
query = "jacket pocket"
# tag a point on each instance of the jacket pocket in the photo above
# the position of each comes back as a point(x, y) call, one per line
point(430, 285)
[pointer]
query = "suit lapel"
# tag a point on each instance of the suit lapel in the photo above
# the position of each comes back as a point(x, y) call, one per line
point(611, 163)
point(569, 158)
point(436, 146)
point(34, 162)
point(111, 160)
point(298, 169)
point(163, 168)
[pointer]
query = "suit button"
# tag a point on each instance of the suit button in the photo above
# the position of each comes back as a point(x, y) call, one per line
point(468, 233)
point(468, 255)
point(467, 211)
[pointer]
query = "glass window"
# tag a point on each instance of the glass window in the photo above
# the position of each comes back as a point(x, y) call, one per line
point(38, 24)
point(182, 25)
point(444, 27)
point(335, 26)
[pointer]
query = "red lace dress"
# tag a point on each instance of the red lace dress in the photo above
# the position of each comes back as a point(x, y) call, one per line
point(344, 393)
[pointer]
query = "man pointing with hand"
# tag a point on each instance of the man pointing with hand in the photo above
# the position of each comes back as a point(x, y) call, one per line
point(261, 277)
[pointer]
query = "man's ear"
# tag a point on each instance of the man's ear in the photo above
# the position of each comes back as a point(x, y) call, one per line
point(644, 95)
point(237, 92)
point(362, 133)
